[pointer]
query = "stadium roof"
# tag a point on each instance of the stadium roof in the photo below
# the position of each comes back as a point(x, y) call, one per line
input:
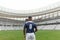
point(24, 13)
point(5, 11)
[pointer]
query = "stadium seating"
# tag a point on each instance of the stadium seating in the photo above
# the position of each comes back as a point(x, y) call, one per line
point(44, 19)
point(49, 27)
point(57, 27)
point(7, 24)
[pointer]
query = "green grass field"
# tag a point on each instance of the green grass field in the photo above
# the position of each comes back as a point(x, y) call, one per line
point(40, 35)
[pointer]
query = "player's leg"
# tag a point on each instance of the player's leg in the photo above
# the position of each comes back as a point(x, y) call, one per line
point(27, 36)
point(33, 36)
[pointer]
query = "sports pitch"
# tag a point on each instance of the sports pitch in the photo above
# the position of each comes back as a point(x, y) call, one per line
point(40, 35)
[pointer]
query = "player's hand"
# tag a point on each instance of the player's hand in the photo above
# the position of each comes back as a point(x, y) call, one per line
point(24, 36)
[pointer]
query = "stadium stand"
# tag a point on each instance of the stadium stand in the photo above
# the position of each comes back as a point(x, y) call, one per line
point(8, 24)
point(47, 19)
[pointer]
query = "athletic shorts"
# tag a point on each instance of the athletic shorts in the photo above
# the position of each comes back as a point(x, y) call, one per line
point(30, 36)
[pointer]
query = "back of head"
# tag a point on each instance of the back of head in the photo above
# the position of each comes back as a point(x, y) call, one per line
point(30, 18)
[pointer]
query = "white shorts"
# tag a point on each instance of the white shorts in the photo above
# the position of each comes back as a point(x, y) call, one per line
point(30, 36)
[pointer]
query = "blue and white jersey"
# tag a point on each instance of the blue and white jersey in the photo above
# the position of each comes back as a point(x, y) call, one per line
point(30, 27)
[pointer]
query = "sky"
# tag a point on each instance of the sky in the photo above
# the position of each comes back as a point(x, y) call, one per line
point(26, 4)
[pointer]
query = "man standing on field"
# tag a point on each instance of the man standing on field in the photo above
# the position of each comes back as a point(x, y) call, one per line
point(29, 29)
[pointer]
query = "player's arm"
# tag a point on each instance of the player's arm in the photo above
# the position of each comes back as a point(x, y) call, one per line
point(24, 30)
point(35, 28)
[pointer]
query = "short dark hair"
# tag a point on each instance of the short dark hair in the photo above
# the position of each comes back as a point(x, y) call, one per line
point(30, 17)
